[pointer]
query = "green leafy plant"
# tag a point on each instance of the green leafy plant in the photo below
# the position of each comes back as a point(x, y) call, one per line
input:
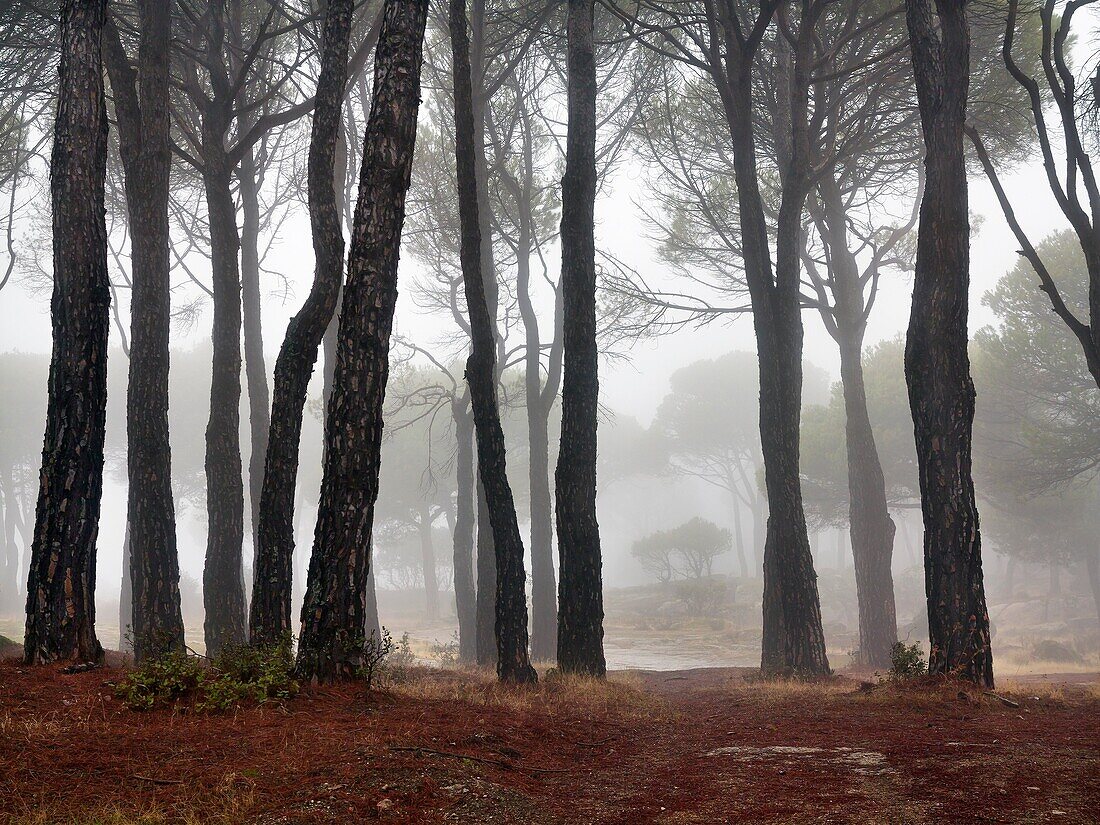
point(906, 661)
point(447, 652)
point(239, 675)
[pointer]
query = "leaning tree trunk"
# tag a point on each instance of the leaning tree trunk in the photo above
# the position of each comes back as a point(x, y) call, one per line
point(937, 367)
point(511, 598)
point(872, 529)
point(270, 616)
point(580, 591)
point(151, 596)
point(61, 584)
point(333, 615)
point(255, 368)
point(465, 593)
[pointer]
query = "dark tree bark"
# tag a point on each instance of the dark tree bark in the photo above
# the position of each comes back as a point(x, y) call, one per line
point(61, 583)
point(580, 590)
point(465, 593)
point(486, 598)
point(255, 368)
point(872, 529)
point(126, 600)
point(151, 586)
point(513, 664)
point(223, 575)
point(937, 368)
point(793, 641)
point(427, 559)
point(271, 594)
point(333, 615)
point(371, 625)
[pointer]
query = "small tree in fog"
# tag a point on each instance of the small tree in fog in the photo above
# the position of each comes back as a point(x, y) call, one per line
point(688, 550)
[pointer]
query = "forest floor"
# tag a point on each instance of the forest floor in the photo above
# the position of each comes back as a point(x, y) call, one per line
point(693, 746)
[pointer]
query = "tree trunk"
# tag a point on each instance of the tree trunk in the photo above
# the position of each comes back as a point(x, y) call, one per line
point(739, 538)
point(486, 606)
point(872, 529)
point(937, 368)
point(427, 558)
point(61, 583)
point(465, 593)
point(580, 591)
point(126, 598)
point(371, 625)
point(793, 641)
point(333, 616)
point(150, 597)
point(270, 616)
point(255, 368)
point(481, 376)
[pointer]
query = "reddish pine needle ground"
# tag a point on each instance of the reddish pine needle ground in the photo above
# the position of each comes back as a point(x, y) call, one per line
point(698, 746)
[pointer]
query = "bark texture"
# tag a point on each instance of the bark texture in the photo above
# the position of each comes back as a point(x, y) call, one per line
point(223, 574)
point(465, 592)
point(270, 615)
point(513, 664)
point(937, 368)
point(61, 583)
point(154, 616)
point(486, 598)
point(580, 590)
point(333, 613)
point(793, 641)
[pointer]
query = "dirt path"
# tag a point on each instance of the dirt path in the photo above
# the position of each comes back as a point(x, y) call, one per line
point(699, 746)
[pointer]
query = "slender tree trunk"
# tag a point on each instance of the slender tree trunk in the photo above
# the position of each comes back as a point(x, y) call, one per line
point(255, 368)
point(427, 558)
point(223, 574)
point(1092, 567)
point(465, 593)
point(486, 598)
point(61, 583)
point(580, 591)
point(739, 538)
point(872, 529)
point(793, 641)
point(270, 615)
point(333, 615)
point(126, 598)
point(937, 368)
point(150, 596)
point(481, 375)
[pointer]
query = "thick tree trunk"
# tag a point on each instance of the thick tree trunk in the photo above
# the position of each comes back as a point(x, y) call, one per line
point(151, 597)
point(793, 641)
point(481, 376)
point(255, 368)
point(580, 591)
point(872, 529)
point(270, 616)
point(486, 598)
point(371, 625)
point(126, 599)
point(333, 616)
point(465, 592)
point(61, 583)
point(937, 368)
point(427, 560)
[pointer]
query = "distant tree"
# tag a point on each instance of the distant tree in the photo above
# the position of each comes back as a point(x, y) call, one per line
point(688, 550)
point(937, 368)
point(333, 612)
point(1037, 450)
point(61, 585)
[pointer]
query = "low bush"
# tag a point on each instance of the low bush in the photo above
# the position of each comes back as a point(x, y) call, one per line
point(906, 661)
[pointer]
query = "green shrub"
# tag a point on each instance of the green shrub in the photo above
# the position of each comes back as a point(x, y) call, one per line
point(447, 653)
point(238, 675)
point(906, 661)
